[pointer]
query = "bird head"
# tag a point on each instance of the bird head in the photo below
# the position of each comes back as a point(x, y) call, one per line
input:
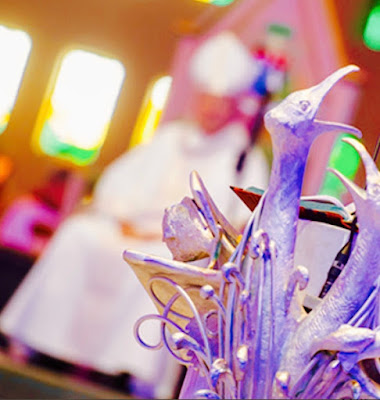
point(295, 115)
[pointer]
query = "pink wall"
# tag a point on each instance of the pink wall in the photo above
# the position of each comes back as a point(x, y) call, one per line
point(315, 52)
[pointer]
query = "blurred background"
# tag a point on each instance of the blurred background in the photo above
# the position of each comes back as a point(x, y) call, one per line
point(145, 40)
point(82, 82)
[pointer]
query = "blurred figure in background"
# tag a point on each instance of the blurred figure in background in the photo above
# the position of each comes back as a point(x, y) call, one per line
point(80, 301)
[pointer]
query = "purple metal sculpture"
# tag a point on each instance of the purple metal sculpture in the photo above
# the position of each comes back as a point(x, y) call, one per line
point(239, 324)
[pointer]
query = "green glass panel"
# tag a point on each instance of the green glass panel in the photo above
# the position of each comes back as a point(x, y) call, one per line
point(51, 145)
point(345, 159)
point(221, 3)
point(3, 127)
point(371, 34)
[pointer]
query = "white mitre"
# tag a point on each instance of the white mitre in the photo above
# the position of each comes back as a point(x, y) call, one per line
point(222, 65)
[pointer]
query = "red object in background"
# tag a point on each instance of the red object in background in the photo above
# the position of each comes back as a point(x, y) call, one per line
point(52, 193)
point(251, 200)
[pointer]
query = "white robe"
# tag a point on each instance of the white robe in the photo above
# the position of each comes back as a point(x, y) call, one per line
point(80, 300)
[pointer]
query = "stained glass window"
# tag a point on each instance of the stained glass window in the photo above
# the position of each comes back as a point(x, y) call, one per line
point(74, 119)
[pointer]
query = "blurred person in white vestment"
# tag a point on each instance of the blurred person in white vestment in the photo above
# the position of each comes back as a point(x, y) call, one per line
point(80, 301)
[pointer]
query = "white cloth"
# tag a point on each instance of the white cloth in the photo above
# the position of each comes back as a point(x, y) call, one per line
point(317, 245)
point(153, 176)
point(222, 65)
point(80, 301)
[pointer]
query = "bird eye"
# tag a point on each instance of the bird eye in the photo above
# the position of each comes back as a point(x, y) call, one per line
point(304, 105)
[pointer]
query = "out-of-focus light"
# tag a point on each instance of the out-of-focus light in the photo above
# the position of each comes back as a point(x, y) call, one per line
point(219, 3)
point(15, 48)
point(150, 114)
point(160, 92)
point(6, 167)
point(371, 34)
point(74, 122)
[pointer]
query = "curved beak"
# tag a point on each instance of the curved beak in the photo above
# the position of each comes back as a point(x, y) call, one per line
point(318, 93)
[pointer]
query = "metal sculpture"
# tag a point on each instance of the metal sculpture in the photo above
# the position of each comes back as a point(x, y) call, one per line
point(239, 323)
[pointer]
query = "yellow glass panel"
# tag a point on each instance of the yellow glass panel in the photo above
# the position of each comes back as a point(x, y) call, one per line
point(153, 105)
